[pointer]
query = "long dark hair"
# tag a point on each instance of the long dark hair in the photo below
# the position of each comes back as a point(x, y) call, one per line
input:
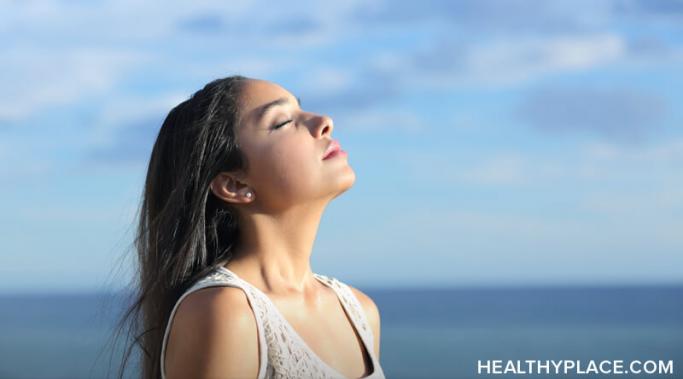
point(183, 230)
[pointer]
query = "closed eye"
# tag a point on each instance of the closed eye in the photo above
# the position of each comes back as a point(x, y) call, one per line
point(278, 126)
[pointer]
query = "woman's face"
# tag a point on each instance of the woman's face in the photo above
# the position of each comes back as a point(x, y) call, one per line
point(284, 146)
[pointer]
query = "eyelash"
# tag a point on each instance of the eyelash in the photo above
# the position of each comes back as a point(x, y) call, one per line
point(278, 126)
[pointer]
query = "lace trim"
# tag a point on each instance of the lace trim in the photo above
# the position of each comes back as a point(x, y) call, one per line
point(355, 309)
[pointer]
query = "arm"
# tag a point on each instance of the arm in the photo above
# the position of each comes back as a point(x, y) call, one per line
point(213, 335)
point(372, 314)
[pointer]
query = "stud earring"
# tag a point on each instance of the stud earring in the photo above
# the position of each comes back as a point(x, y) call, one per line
point(248, 194)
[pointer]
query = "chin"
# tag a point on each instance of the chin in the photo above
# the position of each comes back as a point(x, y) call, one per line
point(345, 182)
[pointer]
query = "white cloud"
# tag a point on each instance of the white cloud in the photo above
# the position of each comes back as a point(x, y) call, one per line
point(376, 121)
point(645, 202)
point(52, 59)
point(470, 244)
point(503, 169)
point(510, 61)
point(667, 152)
point(646, 175)
point(326, 80)
point(658, 165)
point(40, 78)
point(521, 59)
point(636, 181)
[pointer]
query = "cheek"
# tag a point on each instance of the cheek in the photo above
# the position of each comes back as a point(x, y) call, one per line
point(289, 168)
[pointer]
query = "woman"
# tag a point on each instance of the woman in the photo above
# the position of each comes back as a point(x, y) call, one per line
point(237, 183)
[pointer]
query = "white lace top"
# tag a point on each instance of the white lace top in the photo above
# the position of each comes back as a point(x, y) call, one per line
point(283, 353)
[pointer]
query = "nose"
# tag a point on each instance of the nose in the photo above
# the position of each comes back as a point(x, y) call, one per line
point(323, 126)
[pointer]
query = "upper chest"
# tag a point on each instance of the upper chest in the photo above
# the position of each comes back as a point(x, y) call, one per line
point(328, 331)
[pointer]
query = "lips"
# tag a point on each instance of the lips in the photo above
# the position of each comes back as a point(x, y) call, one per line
point(332, 148)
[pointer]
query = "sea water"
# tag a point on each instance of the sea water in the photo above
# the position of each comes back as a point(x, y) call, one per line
point(426, 333)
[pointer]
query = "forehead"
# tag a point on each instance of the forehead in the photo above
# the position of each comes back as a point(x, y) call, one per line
point(256, 91)
point(256, 94)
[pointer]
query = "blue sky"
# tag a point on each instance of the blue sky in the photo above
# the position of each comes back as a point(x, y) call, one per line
point(495, 143)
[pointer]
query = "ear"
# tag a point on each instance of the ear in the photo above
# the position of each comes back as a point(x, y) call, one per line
point(228, 188)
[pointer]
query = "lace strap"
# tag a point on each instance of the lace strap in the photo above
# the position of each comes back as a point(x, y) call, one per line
point(354, 307)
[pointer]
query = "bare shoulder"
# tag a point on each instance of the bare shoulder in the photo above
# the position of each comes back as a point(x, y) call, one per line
point(213, 334)
point(372, 313)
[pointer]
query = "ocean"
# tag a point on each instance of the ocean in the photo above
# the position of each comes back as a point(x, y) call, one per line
point(426, 333)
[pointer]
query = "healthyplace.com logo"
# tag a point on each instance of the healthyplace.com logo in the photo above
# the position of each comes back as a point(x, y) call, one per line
point(565, 367)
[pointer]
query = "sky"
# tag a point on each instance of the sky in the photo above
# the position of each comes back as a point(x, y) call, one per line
point(494, 143)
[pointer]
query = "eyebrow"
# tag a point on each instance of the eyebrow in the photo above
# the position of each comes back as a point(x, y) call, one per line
point(274, 103)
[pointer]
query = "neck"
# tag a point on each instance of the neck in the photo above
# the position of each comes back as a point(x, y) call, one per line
point(274, 252)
